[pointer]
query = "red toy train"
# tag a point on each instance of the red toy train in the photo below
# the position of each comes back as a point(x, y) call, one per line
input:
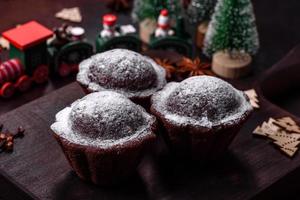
point(34, 56)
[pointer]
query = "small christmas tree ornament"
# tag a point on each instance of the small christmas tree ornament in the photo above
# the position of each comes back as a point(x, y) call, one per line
point(109, 29)
point(232, 38)
point(163, 25)
point(199, 12)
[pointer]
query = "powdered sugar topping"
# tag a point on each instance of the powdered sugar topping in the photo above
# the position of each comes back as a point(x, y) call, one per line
point(102, 118)
point(203, 101)
point(121, 70)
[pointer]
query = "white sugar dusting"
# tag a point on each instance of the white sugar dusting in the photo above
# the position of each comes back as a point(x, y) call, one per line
point(202, 101)
point(123, 71)
point(102, 119)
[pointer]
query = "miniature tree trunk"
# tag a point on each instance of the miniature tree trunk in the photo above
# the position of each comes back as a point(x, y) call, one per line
point(228, 65)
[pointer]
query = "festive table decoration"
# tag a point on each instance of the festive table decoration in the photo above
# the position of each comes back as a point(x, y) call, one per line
point(67, 48)
point(232, 38)
point(146, 12)
point(186, 67)
point(231, 65)
point(7, 139)
point(289, 124)
point(163, 28)
point(109, 26)
point(114, 36)
point(253, 97)
point(29, 58)
point(167, 37)
point(35, 50)
point(199, 12)
point(284, 132)
point(70, 14)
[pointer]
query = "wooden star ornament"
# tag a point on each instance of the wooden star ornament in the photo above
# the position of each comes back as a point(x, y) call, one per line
point(284, 133)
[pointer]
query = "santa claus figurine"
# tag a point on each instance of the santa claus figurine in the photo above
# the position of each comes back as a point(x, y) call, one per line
point(109, 29)
point(163, 25)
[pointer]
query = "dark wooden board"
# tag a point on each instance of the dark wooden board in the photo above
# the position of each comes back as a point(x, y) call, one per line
point(38, 169)
point(279, 31)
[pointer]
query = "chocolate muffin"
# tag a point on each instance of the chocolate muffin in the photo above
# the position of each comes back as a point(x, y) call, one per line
point(124, 71)
point(103, 136)
point(200, 115)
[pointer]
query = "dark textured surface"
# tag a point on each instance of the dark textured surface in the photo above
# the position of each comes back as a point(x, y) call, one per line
point(252, 168)
point(38, 165)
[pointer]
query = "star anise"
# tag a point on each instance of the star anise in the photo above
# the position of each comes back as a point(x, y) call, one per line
point(194, 67)
point(168, 65)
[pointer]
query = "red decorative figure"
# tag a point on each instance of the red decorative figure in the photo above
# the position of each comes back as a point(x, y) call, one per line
point(163, 25)
point(109, 23)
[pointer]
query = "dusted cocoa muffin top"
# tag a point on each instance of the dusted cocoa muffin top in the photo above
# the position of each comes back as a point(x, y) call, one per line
point(202, 101)
point(123, 71)
point(102, 119)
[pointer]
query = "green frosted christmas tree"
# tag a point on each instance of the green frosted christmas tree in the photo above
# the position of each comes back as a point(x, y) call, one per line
point(143, 9)
point(232, 29)
point(200, 10)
